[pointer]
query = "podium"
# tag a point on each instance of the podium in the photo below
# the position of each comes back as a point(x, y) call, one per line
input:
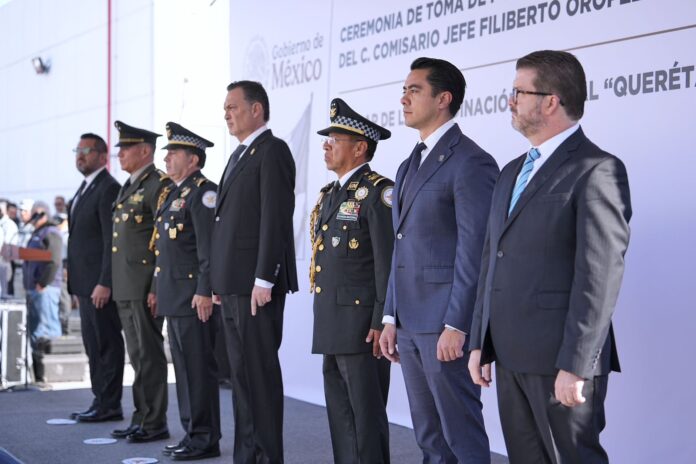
point(13, 342)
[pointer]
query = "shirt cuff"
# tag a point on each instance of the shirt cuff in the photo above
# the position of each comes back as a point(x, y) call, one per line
point(263, 283)
point(447, 326)
point(388, 320)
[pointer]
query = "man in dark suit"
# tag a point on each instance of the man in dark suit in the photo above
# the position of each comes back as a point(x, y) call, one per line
point(184, 296)
point(253, 267)
point(89, 278)
point(352, 239)
point(552, 267)
point(133, 265)
point(441, 200)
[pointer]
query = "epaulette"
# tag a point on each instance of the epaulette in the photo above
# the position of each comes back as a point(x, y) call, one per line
point(374, 178)
point(327, 187)
point(200, 181)
point(162, 175)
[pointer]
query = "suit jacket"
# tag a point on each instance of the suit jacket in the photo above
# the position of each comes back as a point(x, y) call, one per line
point(132, 260)
point(352, 263)
point(89, 241)
point(184, 223)
point(440, 226)
point(552, 270)
point(253, 232)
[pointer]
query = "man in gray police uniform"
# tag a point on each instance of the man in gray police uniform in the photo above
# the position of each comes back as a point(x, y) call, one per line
point(133, 264)
point(182, 275)
point(352, 238)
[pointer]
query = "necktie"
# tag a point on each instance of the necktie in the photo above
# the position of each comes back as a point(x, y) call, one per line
point(234, 159)
point(522, 179)
point(78, 195)
point(332, 193)
point(126, 185)
point(413, 166)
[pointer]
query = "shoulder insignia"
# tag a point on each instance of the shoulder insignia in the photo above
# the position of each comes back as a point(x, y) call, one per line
point(353, 185)
point(209, 199)
point(386, 195)
point(374, 177)
point(327, 187)
point(200, 181)
point(162, 175)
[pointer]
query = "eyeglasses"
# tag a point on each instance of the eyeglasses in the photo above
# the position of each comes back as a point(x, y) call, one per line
point(331, 140)
point(83, 150)
point(516, 92)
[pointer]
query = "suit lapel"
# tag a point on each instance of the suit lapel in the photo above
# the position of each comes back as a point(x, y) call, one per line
point(437, 157)
point(243, 161)
point(546, 172)
point(88, 190)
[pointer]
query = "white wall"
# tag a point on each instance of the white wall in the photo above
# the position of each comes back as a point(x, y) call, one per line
point(43, 116)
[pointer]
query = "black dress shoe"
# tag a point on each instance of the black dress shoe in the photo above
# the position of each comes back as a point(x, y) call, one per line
point(191, 454)
point(144, 436)
point(101, 416)
point(123, 433)
point(73, 415)
point(169, 449)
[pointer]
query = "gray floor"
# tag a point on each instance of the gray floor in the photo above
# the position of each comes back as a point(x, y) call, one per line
point(25, 434)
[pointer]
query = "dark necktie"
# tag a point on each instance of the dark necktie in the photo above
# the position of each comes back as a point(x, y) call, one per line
point(234, 159)
point(78, 195)
point(332, 193)
point(413, 166)
point(126, 185)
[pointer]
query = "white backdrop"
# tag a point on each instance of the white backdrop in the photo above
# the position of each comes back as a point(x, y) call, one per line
point(639, 59)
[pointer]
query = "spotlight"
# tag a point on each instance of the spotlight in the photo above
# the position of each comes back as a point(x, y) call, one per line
point(40, 66)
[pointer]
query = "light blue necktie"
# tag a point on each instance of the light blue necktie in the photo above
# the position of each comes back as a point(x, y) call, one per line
point(527, 167)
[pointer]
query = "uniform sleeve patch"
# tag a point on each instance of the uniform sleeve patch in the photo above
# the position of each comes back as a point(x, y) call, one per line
point(387, 195)
point(209, 199)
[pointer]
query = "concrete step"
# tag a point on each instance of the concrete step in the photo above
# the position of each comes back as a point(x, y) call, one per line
point(69, 344)
point(74, 327)
point(65, 367)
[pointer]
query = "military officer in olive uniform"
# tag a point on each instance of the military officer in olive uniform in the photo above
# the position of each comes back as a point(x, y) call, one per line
point(352, 238)
point(182, 273)
point(133, 265)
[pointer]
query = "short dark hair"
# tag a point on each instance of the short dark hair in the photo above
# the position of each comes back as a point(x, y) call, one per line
point(371, 148)
point(561, 74)
point(254, 93)
point(199, 153)
point(99, 144)
point(443, 76)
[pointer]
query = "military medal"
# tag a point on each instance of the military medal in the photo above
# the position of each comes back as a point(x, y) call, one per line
point(349, 210)
point(138, 218)
point(335, 241)
point(361, 193)
point(137, 197)
point(353, 244)
point(172, 234)
point(185, 191)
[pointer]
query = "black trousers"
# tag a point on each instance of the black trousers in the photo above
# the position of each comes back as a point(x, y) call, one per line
point(191, 342)
point(101, 335)
point(356, 387)
point(257, 383)
point(539, 429)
